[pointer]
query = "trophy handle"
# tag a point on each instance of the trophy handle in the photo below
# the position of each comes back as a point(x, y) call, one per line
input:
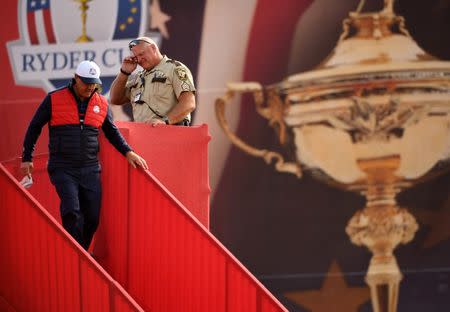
point(267, 155)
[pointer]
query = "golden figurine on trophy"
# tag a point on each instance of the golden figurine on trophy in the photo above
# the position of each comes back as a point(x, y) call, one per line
point(83, 7)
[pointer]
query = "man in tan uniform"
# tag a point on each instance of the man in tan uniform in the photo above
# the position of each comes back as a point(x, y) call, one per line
point(162, 93)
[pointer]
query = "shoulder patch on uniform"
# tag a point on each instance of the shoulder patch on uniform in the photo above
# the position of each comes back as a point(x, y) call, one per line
point(173, 62)
point(181, 73)
point(185, 86)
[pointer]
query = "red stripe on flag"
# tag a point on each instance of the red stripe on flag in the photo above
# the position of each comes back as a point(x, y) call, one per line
point(270, 39)
point(31, 21)
point(266, 61)
point(48, 26)
point(269, 46)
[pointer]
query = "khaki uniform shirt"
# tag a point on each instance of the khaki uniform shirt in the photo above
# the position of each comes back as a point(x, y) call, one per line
point(153, 93)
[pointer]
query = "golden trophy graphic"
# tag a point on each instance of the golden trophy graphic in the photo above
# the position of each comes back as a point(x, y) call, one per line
point(84, 8)
point(373, 118)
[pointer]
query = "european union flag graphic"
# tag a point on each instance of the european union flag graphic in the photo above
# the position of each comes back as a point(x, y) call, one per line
point(128, 19)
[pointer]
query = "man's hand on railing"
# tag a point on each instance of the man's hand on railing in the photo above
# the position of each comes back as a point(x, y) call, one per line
point(136, 160)
point(27, 167)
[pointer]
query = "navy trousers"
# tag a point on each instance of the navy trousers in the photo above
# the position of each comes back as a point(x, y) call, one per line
point(80, 192)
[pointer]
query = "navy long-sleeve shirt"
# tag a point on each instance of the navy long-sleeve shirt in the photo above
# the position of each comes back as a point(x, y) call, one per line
point(43, 114)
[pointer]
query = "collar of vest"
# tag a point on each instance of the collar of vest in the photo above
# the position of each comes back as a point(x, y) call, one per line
point(72, 90)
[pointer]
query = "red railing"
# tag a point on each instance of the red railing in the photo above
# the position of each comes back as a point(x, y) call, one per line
point(148, 241)
point(42, 189)
point(177, 156)
point(171, 261)
point(44, 269)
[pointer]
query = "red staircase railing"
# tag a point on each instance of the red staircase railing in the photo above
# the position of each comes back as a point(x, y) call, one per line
point(165, 258)
point(148, 241)
point(42, 268)
point(175, 264)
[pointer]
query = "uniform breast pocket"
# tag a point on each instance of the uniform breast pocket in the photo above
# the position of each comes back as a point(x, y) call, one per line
point(161, 88)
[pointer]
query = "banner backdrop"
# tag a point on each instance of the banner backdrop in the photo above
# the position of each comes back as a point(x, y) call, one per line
point(289, 232)
point(43, 42)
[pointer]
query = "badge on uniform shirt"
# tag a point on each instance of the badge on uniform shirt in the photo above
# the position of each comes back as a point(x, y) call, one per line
point(138, 98)
point(181, 73)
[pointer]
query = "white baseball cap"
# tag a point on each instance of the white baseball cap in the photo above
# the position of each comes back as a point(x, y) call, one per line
point(89, 72)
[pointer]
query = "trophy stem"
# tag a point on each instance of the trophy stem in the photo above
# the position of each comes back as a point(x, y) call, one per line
point(383, 278)
point(381, 226)
point(84, 8)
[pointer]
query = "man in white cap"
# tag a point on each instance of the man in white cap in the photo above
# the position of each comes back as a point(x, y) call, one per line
point(163, 92)
point(75, 114)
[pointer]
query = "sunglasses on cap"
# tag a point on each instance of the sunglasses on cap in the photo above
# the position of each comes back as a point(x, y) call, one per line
point(135, 42)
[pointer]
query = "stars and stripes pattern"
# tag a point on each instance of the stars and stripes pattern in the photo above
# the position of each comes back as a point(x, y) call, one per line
point(39, 22)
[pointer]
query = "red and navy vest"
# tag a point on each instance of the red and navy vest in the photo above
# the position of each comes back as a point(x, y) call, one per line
point(74, 137)
point(65, 109)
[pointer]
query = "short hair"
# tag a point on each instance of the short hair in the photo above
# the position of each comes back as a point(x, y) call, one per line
point(139, 40)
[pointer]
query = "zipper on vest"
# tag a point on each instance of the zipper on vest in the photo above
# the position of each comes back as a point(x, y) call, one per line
point(81, 121)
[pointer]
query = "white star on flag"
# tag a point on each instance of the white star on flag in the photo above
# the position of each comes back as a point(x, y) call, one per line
point(159, 18)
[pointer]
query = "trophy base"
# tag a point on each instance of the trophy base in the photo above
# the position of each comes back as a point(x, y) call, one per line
point(84, 38)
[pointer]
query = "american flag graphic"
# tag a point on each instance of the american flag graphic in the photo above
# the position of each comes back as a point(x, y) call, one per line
point(39, 22)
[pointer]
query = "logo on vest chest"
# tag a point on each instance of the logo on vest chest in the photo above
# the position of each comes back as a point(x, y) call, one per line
point(96, 109)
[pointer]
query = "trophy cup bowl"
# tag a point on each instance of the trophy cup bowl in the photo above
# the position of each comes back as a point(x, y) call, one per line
point(373, 118)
